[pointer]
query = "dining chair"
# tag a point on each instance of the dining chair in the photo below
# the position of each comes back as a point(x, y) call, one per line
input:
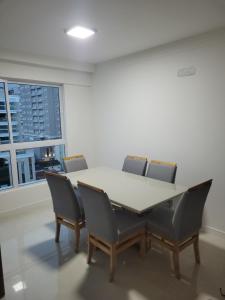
point(164, 171)
point(161, 170)
point(74, 163)
point(135, 164)
point(111, 231)
point(68, 210)
point(179, 229)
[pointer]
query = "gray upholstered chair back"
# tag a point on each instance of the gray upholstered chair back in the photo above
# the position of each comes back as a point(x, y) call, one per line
point(162, 171)
point(64, 199)
point(100, 218)
point(74, 163)
point(187, 218)
point(135, 164)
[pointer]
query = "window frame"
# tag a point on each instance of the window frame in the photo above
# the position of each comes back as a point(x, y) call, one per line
point(13, 147)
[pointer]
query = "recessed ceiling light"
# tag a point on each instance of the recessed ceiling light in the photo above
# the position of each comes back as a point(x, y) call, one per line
point(80, 32)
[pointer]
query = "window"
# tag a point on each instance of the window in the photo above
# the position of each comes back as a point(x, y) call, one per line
point(20, 98)
point(4, 125)
point(32, 163)
point(31, 139)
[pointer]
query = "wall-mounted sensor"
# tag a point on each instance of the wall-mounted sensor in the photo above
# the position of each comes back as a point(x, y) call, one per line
point(189, 71)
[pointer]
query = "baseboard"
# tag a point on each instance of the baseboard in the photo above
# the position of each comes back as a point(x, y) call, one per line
point(26, 208)
point(218, 232)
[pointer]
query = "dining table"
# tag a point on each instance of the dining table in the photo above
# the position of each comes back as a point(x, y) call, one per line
point(133, 192)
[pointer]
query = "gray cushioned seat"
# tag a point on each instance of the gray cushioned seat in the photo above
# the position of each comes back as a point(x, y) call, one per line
point(105, 222)
point(185, 220)
point(135, 165)
point(64, 198)
point(127, 223)
point(74, 164)
point(179, 228)
point(161, 172)
point(110, 230)
point(78, 195)
point(67, 207)
point(159, 221)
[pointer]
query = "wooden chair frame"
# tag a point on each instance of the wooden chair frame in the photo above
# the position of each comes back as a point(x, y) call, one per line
point(165, 163)
point(176, 247)
point(76, 226)
point(114, 249)
point(135, 157)
point(73, 157)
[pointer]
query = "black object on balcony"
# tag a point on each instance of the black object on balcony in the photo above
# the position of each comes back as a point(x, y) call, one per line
point(2, 287)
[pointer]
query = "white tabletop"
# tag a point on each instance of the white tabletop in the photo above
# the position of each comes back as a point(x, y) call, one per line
point(136, 193)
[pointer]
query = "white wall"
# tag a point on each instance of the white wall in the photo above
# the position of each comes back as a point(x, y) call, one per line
point(77, 119)
point(142, 107)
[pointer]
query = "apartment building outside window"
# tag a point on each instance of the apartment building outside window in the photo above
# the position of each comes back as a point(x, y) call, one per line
point(31, 132)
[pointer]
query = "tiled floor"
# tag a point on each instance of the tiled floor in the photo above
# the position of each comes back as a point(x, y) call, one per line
point(36, 268)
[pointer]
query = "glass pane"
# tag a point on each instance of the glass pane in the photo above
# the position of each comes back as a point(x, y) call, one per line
point(35, 112)
point(5, 170)
point(32, 163)
point(4, 126)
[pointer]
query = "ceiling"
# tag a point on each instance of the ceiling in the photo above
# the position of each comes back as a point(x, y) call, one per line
point(124, 26)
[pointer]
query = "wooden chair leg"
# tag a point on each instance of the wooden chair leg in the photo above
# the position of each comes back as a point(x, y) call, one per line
point(57, 232)
point(148, 242)
point(112, 263)
point(196, 250)
point(91, 249)
point(77, 234)
point(176, 263)
point(143, 246)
